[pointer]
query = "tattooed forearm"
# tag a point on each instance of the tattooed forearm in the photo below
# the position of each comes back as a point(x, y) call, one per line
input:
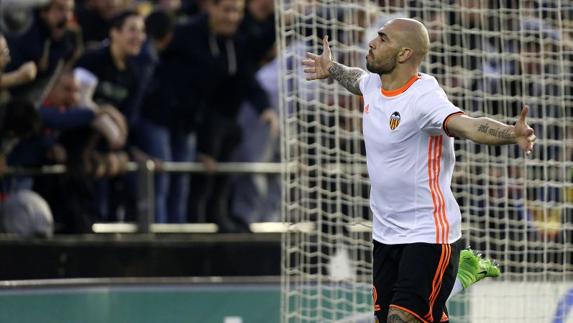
point(349, 77)
point(503, 134)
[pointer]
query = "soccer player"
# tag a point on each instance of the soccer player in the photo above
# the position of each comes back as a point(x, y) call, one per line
point(408, 125)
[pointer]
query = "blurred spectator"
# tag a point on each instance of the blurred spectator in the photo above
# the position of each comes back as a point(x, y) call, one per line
point(62, 110)
point(18, 120)
point(21, 212)
point(73, 131)
point(24, 74)
point(118, 84)
point(50, 42)
point(181, 10)
point(95, 19)
point(212, 57)
point(114, 66)
point(259, 26)
point(170, 6)
point(26, 214)
point(257, 197)
point(152, 133)
point(16, 15)
point(20, 145)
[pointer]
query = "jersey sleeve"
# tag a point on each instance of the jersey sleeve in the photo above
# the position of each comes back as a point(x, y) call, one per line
point(363, 82)
point(434, 108)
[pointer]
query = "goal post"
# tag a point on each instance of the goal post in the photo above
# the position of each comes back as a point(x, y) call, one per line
point(491, 58)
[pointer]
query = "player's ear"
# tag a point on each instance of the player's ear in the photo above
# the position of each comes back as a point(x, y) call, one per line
point(404, 54)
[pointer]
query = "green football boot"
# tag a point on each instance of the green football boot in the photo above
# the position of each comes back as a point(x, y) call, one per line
point(474, 268)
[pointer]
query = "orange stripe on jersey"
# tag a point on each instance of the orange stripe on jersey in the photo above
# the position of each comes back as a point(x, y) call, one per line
point(438, 277)
point(445, 222)
point(431, 184)
point(436, 185)
point(434, 167)
point(401, 89)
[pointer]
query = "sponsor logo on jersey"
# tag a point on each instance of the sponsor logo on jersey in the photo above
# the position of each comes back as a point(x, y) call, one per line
point(394, 120)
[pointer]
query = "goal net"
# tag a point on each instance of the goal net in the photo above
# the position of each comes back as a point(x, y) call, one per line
point(491, 57)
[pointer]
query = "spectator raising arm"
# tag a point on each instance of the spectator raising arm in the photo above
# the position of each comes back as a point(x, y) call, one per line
point(24, 74)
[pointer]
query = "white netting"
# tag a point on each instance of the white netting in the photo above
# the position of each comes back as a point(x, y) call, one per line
point(490, 57)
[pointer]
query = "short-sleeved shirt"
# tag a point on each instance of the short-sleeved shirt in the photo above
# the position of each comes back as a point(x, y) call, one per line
point(410, 159)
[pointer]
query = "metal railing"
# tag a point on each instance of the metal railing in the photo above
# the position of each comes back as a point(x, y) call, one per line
point(170, 167)
point(145, 191)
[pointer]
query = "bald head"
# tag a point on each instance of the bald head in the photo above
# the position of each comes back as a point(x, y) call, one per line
point(409, 33)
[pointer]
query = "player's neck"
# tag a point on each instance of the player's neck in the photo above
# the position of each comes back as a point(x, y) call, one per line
point(397, 79)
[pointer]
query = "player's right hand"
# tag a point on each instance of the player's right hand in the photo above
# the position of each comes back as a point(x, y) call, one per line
point(316, 66)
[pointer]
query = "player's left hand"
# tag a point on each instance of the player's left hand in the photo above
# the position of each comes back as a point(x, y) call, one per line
point(524, 134)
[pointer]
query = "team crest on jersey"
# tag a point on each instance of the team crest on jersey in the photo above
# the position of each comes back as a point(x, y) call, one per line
point(367, 108)
point(394, 120)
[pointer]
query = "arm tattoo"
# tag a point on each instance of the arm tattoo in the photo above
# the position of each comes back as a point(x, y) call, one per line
point(347, 76)
point(504, 134)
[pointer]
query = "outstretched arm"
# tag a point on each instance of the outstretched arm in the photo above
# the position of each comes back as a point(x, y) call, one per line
point(492, 132)
point(322, 66)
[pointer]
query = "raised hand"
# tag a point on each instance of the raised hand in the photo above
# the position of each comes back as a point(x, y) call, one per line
point(316, 66)
point(524, 135)
point(27, 72)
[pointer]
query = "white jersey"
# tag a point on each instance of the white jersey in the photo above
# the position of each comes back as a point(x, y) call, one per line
point(410, 161)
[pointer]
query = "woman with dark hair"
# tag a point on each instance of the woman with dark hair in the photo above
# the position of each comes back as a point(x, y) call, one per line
point(118, 83)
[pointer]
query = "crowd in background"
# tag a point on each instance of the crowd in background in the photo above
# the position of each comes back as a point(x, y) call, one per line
point(95, 84)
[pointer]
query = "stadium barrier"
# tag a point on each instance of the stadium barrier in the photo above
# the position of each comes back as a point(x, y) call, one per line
point(145, 213)
point(145, 192)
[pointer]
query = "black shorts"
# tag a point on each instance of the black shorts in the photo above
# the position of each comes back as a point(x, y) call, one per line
point(416, 278)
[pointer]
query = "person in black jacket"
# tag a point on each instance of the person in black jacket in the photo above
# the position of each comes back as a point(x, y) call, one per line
point(50, 42)
point(152, 133)
point(214, 69)
point(115, 67)
point(118, 85)
point(259, 26)
point(22, 75)
point(95, 18)
point(69, 132)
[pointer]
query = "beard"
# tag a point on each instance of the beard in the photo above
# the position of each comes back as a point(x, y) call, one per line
point(384, 68)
